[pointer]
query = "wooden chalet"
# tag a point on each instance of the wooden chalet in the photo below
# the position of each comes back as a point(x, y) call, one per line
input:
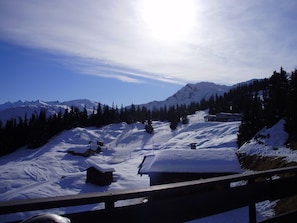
point(177, 165)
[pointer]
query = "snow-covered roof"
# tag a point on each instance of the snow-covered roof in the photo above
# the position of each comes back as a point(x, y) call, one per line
point(191, 161)
point(101, 167)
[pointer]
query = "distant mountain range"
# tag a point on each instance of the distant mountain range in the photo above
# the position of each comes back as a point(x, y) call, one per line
point(186, 95)
point(19, 109)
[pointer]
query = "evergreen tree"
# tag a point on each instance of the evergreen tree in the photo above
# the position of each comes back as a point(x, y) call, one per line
point(173, 117)
point(252, 120)
point(122, 114)
point(148, 127)
point(84, 117)
point(38, 130)
point(275, 101)
point(98, 116)
point(291, 112)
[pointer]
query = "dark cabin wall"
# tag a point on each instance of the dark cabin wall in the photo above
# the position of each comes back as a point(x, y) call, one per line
point(163, 178)
point(97, 177)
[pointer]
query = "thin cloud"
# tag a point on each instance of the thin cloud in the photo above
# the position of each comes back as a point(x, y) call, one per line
point(232, 41)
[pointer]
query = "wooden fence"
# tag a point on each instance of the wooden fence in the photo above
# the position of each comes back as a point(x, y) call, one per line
point(178, 202)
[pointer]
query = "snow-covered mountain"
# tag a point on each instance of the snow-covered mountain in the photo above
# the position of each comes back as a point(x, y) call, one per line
point(190, 93)
point(186, 95)
point(18, 109)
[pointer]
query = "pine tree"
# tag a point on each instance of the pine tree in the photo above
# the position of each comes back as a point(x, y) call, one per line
point(275, 102)
point(291, 111)
point(148, 127)
point(98, 116)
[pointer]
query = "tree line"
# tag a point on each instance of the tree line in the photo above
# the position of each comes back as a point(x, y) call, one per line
point(268, 101)
point(262, 103)
point(35, 131)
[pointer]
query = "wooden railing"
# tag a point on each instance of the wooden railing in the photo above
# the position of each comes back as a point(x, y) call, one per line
point(177, 202)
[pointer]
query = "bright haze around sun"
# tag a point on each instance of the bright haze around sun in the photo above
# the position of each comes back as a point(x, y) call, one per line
point(170, 22)
point(136, 51)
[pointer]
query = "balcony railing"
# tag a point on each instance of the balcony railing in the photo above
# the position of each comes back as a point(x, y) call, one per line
point(177, 202)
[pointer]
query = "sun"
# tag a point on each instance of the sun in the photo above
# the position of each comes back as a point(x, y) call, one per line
point(169, 20)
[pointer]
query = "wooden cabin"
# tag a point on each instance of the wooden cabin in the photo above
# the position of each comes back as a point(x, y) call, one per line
point(228, 117)
point(99, 176)
point(177, 165)
point(223, 117)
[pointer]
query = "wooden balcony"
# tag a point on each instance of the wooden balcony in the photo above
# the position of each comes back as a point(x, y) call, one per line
point(177, 202)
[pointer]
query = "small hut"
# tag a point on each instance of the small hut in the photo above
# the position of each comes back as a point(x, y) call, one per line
point(99, 176)
point(193, 145)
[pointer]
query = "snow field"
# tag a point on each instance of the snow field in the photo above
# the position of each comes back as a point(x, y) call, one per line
point(51, 171)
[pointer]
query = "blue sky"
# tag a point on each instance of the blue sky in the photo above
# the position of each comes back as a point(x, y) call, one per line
point(125, 52)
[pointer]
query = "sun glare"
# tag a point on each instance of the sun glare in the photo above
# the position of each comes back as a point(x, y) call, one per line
point(170, 21)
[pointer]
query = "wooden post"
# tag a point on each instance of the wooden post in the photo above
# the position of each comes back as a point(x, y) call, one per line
point(109, 205)
point(252, 208)
point(252, 213)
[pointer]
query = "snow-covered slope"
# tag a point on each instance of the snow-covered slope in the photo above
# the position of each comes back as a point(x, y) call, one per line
point(270, 142)
point(51, 171)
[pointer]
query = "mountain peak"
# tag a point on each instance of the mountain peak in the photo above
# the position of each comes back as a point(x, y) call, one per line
point(190, 93)
point(197, 92)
